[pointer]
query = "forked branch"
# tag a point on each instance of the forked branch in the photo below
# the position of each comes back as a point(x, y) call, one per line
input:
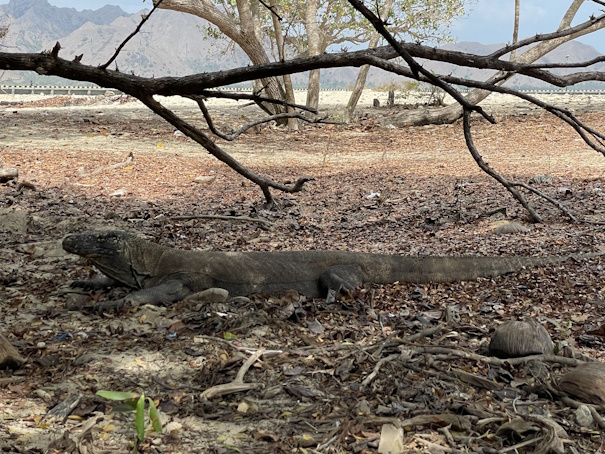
point(252, 124)
point(510, 186)
point(197, 135)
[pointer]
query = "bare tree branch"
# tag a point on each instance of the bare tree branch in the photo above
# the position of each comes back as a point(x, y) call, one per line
point(416, 68)
point(195, 84)
point(510, 186)
point(579, 30)
point(203, 85)
point(582, 64)
point(252, 124)
point(144, 19)
point(555, 202)
point(252, 97)
point(197, 135)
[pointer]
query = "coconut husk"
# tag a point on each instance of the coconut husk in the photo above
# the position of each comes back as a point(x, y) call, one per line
point(520, 338)
point(585, 383)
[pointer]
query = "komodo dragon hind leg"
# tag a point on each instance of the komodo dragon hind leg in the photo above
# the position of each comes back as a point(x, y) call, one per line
point(339, 278)
point(165, 293)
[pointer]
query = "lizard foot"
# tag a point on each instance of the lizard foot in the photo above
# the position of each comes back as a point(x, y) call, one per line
point(108, 306)
point(98, 283)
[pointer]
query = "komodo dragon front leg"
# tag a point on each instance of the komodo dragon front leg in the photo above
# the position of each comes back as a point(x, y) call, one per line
point(164, 293)
point(97, 283)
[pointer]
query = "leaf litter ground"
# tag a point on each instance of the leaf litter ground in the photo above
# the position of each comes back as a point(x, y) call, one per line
point(333, 375)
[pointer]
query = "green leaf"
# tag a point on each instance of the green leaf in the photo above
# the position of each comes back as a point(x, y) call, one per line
point(116, 395)
point(127, 405)
point(139, 418)
point(154, 416)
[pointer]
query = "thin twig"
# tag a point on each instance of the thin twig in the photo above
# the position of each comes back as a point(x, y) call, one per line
point(144, 19)
point(252, 124)
point(252, 97)
point(547, 37)
point(377, 367)
point(271, 10)
point(237, 384)
point(555, 202)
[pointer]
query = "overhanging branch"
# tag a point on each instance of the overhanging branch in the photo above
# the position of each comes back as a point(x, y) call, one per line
point(197, 135)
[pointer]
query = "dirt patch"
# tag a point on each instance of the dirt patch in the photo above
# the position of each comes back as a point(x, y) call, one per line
point(411, 191)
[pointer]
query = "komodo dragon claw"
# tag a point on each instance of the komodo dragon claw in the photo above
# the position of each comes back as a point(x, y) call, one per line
point(108, 306)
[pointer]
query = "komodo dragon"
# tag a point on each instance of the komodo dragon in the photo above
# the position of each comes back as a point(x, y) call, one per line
point(164, 275)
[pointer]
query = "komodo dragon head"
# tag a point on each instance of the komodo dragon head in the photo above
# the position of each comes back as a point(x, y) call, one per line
point(111, 251)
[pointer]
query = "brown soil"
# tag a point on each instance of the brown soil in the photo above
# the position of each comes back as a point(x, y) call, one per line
point(432, 200)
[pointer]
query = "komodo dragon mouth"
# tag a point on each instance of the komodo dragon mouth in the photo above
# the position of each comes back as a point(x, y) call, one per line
point(95, 244)
point(107, 250)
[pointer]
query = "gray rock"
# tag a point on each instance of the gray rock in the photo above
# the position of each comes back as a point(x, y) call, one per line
point(583, 416)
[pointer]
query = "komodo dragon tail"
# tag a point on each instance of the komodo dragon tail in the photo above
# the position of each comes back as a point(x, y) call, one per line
point(450, 269)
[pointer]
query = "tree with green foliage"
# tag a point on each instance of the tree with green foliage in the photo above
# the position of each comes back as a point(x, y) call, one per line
point(240, 22)
point(297, 28)
point(319, 25)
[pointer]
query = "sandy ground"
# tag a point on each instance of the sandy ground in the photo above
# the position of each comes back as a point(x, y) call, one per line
point(337, 99)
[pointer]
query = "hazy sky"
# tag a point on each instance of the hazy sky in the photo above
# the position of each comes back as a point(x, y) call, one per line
point(489, 21)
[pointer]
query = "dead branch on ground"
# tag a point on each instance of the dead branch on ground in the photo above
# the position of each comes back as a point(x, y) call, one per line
point(237, 385)
point(265, 222)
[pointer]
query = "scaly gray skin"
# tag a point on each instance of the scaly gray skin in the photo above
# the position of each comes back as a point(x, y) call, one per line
point(164, 275)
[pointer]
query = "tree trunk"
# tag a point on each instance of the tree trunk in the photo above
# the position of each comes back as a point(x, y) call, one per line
point(314, 48)
point(287, 79)
point(357, 90)
point(453, 112)
point(244, 36)
point(313, 89)
point(362, 76)
point(513, 54)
